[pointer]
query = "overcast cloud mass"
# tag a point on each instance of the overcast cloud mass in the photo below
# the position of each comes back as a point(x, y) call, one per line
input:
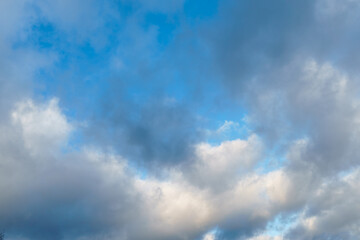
point(180, 119)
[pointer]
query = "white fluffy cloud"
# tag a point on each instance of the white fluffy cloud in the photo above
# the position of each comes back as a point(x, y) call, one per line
point(166, 208)
point(219, 188)
point(43, 127)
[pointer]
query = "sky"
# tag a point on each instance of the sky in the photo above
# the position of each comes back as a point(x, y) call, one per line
point(179, 119)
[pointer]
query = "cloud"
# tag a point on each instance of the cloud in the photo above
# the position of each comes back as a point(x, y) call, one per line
point(143, 168)
point(54, 192)
point(91, 193)
point(332, 213)
point(219, 166)
point(264, 237)
point(44, 128)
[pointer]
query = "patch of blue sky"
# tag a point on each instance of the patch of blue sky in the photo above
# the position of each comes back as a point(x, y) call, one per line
point(165, 25)
point(270, 163)
point(123, 8)
point(210, 235)
point(227, 131)
point(225, 121)
point(275, 159)
point(43, 35)
point(82, 69)
point(201, 9)
point(75, 142)
point(140, 171)
point(74, 79)
point(275, 154)
point(78, 69)
point(212, 108)
point(281, 224)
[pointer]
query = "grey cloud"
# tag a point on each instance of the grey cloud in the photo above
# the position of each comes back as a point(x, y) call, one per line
point(253, 37)
point(61, 196)
point(293, 71)
point(93, 194)
point(320, 106)
point(286, 62)
point(83, 194)
point(296, 85)
point(333, 212)
point(160, 132)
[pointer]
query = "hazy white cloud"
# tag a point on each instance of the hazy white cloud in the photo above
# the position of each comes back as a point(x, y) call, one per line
point(265, 237)
point(221, 165)
point(112, 193)
point(43, 128)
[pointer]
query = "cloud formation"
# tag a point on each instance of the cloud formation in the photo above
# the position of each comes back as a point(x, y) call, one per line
point(150, 120)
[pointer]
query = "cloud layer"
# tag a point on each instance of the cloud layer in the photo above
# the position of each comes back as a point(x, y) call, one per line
point(132, 120)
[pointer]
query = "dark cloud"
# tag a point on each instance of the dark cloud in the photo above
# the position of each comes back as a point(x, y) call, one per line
point(160, 131)
point(332, 213)
point(290, 65)
point(287, 62)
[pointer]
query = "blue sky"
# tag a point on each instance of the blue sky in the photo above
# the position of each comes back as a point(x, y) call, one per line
point(179, 119)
